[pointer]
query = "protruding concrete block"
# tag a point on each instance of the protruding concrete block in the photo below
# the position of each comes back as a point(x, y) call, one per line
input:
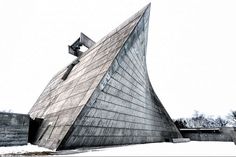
point(180, 140)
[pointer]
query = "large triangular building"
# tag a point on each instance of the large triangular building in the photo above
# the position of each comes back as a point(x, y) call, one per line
point(106, 97)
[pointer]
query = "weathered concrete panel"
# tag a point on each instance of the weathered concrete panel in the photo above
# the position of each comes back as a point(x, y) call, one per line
point(219, 134)
point(13, 129)
point(126, 109)
point(107, 98)
point(181, 140)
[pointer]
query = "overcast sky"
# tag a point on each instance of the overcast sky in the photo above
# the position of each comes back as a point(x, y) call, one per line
point(191, 54)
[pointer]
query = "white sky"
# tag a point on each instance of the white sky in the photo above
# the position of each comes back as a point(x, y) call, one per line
point(191, 48)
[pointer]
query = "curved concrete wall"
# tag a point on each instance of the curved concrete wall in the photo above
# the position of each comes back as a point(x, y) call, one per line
point(124, 109)
point(107, 99)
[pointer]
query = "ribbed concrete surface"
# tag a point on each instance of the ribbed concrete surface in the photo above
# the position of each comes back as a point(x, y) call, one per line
point(14, 129)
point(107, 98)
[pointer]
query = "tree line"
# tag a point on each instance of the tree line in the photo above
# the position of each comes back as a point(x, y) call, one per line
point(200, 120)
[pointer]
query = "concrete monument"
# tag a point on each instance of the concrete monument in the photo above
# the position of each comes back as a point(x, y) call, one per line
point(104, 97)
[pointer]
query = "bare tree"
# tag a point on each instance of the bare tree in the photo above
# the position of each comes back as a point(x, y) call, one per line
point(220, 122)
point(180, 123)
point(8, 111)
point(200, 120)
point(233, 115)
point(232, 118)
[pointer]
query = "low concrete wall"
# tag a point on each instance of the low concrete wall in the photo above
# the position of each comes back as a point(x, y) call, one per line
point(13, 129)
point(216, 134)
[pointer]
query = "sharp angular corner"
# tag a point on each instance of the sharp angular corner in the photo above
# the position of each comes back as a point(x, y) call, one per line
point(107, 98)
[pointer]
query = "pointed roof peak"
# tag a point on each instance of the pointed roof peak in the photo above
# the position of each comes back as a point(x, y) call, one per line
point(132, 19)
point(134, 16)
point(69, 93)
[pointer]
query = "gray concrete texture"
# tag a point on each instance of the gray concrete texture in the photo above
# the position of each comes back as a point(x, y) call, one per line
point(107, 99)
point(14, 129)
point(224, 134)
point(180, 140)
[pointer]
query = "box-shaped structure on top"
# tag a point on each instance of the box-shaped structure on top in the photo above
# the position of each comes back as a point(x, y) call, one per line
point(104, 97)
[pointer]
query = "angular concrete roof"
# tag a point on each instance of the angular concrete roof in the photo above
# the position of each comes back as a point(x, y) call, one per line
point(62, 102)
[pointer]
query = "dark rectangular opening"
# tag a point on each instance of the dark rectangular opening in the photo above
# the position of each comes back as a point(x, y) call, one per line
point(33, 129)
point(70, 67)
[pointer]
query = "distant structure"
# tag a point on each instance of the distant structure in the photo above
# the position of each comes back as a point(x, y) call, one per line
point(104, 97)
point(14, 129)
point(210, 134)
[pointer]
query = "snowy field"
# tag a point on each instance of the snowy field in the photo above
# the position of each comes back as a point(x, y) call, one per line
point(151, 149)
point(22, 149)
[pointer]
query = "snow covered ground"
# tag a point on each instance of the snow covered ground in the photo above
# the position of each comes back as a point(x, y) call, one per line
point(151, 149)
point(168, 149)
point(23, 149)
